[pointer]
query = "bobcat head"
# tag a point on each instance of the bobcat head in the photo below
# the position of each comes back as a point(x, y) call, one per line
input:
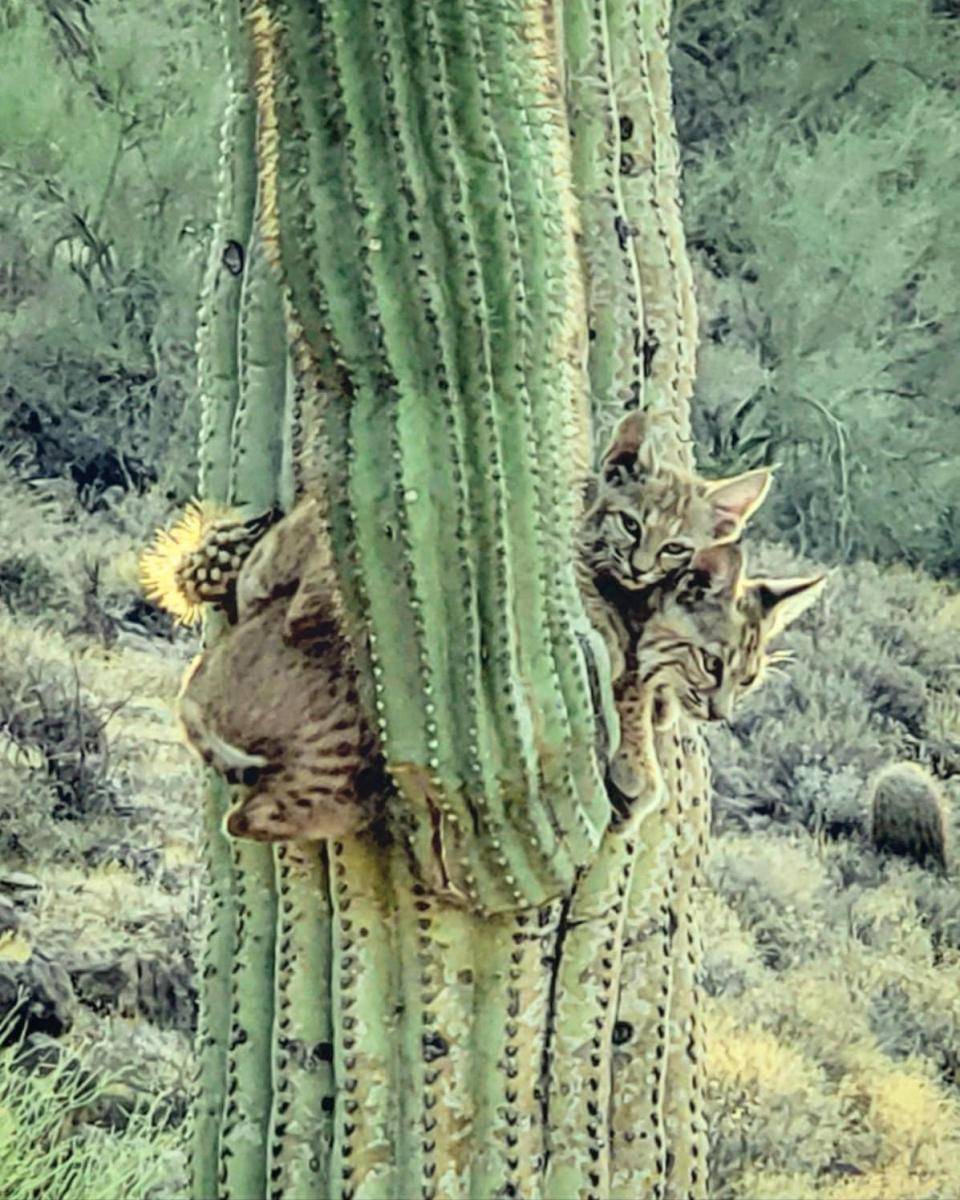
point(646, 520)
point(708, 630)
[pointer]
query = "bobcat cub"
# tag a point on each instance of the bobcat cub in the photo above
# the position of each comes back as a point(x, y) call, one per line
point(702, 644)
point(273, 704)
point(706, 633)
point(647, 521)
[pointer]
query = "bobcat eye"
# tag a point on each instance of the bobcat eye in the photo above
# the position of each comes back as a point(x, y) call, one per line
point(675, 550)
point(630, 525)
point(713, 665)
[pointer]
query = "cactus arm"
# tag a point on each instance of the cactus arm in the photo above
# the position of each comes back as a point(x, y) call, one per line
point(256, 441)
point(244, 1130)
point(615, 306)
point(213, 1030)
point(558, 422)
point(374, 525)
point(501, 724)
point(257, 435)
point(217, 357)
point(301, 1123)
point(219, 372)
point(648, 956)
point(659, 1094)
point(578, 1134)
point(638, 1156)
point(436, 951)
point(686, 771)
point(473, 74)
point(366, 1113)
point(398, 409)
point(512, 1015)
point(649, 182)
point(590, 982)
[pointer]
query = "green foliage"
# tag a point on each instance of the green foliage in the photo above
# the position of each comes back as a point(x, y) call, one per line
point(822, 155)
point(27, 584)
point(874, 681)
point(107, 195)
point(49, 1145)
point(48, 722)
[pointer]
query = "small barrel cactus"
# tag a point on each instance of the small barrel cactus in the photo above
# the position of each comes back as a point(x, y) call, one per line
point(908, 814)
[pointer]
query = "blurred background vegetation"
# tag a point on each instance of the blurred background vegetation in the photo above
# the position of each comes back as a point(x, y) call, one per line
point(821, 172)
point(820, 146)
point(109, 112)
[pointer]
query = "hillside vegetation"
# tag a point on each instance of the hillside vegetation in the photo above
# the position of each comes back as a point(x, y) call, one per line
point(821, 154)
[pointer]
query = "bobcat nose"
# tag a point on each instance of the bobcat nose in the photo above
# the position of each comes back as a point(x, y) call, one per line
point(641, 569)
point(721, 707)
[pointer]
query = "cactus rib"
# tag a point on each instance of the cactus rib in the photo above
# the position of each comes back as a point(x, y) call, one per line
point(649, 171)
point(615, 305)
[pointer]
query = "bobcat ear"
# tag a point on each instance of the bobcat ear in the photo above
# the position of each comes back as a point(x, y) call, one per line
point(734, 500)
point(625, 455)
point(783, 600)
point(723, 564)
point(591, 489)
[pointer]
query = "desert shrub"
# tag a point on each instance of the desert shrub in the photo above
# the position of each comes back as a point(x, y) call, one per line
point(820, 155)
point(49, 1145)
point(731, 963)
point(777, 892)
point(768, 1103)
point(107, 194)
point(27, 585)
point(938, 909)
point(45, 715)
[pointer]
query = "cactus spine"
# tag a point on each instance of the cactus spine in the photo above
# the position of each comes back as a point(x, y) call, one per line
point(395, 319)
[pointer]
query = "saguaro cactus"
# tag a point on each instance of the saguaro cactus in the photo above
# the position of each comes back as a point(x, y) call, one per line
point(428, 211)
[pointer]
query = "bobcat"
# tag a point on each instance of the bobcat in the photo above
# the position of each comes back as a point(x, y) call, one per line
point(706, 633)
point(646, 522)
point(273, 705)
point(701, 646)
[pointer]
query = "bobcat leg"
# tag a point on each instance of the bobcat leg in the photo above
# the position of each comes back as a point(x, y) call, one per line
point(633, 771)
point(231, 761)
point(295, 559)
point(278, 561)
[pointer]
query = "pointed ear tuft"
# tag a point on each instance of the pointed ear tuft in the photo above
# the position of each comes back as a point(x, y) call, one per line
point(734, 500)
point(723, 564)
point(783, 600)
point(624, 456)
point(591, 489)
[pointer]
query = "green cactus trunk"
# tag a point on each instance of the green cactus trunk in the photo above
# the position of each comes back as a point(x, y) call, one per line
point(434, 273)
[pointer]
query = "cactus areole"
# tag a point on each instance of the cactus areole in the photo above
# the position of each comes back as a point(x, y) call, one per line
point(421, 223)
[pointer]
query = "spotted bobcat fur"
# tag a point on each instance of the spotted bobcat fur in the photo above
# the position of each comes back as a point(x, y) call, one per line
point(273, 704)
point(645, 522)
point(701, 646)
